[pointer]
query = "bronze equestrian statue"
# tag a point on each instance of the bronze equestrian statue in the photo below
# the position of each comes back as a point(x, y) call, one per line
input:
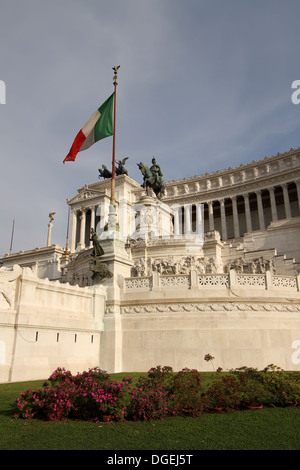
point(153, 178)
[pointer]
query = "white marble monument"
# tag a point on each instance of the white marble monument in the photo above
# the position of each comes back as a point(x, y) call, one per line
point(212, 267)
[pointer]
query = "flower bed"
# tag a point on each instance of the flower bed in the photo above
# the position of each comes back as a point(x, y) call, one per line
point(94, 395)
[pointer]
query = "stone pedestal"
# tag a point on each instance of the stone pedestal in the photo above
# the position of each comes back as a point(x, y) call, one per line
point(50, 225)
point(154, 219)
point(117, 259)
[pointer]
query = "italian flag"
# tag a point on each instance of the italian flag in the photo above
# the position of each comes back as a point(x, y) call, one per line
point(99, 126)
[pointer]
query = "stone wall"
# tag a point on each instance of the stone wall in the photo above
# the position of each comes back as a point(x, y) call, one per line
point(46, 324)
point(135, 323)
point(241, 319)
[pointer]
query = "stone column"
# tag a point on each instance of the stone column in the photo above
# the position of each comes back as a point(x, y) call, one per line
point(199, 219)
point(235, 218)
point(223, 220)
point(260, 211)
point(286, 201)
point(273, 204)
point(211, 216)
point(177, 224)
point(93, 219)
point(188, 219)
point(248, 213)
point(81, 244)
point(73, 228)
point(298, 192)
point(50, 225)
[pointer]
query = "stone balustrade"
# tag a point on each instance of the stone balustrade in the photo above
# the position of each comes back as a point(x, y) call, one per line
point(266, 281)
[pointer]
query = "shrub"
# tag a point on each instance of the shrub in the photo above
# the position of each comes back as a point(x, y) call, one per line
point(149, 400)
point(187, 397)
point(271, 386)
point(283, 387)
point(252, 388)
point(224, 393)
point(254, 394)
point(87, 396)
point(96, 375)
point(164, 375)
point(53, 403)
point(93, 395)
point(59, 375)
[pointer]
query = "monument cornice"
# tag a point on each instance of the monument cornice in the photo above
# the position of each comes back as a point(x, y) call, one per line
point(240, 189)
point(293, 153)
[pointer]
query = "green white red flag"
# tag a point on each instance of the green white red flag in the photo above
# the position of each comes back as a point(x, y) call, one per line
point(99, 126)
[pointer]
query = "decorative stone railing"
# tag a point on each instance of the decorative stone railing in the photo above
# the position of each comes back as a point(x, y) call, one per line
point(220, 281)
point(133, 283)
point(213, 280)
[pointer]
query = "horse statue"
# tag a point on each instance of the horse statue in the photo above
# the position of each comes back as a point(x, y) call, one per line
point(120, 169)
point(153, 178)
point(104, 172)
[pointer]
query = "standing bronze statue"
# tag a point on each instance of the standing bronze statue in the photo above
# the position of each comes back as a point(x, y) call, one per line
point(153, 178)
point(100, 270)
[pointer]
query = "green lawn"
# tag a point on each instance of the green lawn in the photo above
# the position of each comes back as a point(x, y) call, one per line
point(267, 429)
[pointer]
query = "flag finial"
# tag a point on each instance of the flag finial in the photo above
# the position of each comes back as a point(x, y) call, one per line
point(115, 69)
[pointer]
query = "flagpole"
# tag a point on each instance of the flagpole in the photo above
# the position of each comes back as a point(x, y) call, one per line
point(115, 69)
point(112, 215)
point(12, 237)
point(67, 238)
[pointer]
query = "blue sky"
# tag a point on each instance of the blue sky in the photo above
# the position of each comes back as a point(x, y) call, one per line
point(203, 85)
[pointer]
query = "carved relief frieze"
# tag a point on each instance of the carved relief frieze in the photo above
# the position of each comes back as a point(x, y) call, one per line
point(8, 283)
point(87, 195)
point(177, 265)
point(254, 266)
point(208, 307)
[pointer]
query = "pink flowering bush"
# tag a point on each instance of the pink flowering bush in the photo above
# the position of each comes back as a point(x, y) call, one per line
point(149, 400)
point(89, 396)
point(93, 395)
